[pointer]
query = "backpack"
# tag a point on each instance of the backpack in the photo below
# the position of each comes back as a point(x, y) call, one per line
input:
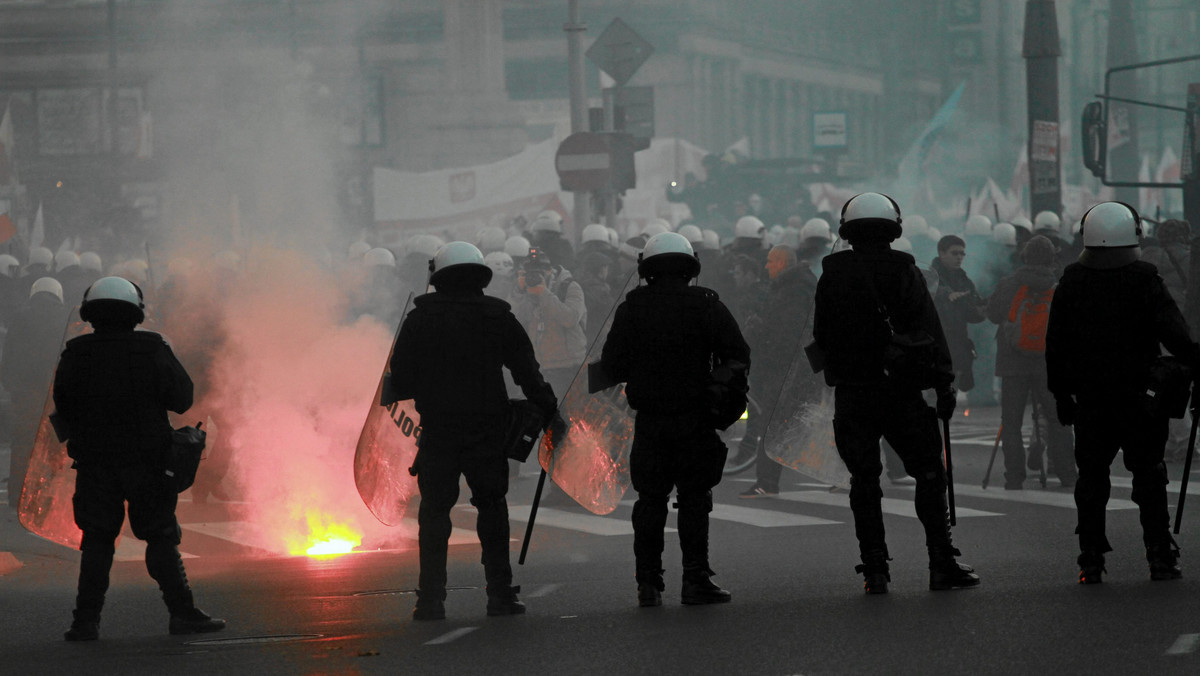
point(1028, 319)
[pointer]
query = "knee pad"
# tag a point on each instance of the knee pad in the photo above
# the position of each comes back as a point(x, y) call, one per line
point(99, 542)
point(699, 502)
point(489, 502)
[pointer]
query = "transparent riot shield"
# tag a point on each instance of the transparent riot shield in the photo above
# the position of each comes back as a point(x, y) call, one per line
point(45, 508)
point(387, 447)
point(799, 434)
point(591, 462)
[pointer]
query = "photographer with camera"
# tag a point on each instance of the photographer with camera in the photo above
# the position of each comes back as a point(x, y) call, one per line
point(549, 303)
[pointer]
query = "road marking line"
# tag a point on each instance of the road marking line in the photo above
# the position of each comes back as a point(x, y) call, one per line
point(889, 505)
point(1033, 496)
point(1185, 644)
point(586, 523)
point(764, 518)
point(451, 636)
point(544, 590)
point(133, 549)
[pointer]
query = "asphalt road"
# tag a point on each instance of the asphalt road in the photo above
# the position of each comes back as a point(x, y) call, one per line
point(798, 606)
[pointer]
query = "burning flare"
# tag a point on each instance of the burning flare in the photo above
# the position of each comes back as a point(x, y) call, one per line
point(328, 539)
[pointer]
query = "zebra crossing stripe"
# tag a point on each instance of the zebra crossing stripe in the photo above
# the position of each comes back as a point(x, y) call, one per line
point(1033, 496)
point(890, 505)
point(764, 518)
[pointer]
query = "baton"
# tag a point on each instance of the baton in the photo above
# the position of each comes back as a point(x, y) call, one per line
point(537, 498)
point(949, 470)
point(995, 449)
point(1187, 463)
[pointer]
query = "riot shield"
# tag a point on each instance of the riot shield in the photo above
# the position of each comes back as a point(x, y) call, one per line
point(591, 462)
point(800, 433)
point(45, 508)
point(387, 447)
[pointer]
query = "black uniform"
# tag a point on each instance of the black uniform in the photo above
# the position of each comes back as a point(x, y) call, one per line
point(448, 358)
point(1106, 326)
point(113, 390)
point(869, 405)
point(664, 341)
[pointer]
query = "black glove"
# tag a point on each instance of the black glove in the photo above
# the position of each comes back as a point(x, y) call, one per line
point(1067, 410)
point(946, 401)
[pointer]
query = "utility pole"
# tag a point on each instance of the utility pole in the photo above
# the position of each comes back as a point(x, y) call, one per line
point(579, 108)
point(1124, 157)
point(1041, 51)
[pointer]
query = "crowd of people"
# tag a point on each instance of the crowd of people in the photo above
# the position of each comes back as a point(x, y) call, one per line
point(679, 314)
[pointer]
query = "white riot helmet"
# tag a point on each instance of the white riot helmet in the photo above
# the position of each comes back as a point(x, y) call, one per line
point(90, 261)
point(64, 260)
point(547, 221)
point(614, 238)
point(902, 244)
point(1111, 225)
point(40, 255)
point(712, 240)
point(594, 233)
point(1022, 222)
point(816, 227)
point(870, 212)
point(1047, 220)
point(48, 285)
point(978, 226)
point(357, 250)
point(113, 297)
point(459, 258)
point(490, 238)
point(425, 246)
point(749, 227)
point(1004, 234)
point(790, 237)
point(379, 257)
point(500, 263)
point(517, 247)
point(8, 263)
point(668, 252)
point(692, 234)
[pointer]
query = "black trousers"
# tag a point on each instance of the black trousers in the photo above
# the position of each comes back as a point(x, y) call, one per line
point(1102, 427)
point(862, 415)
point(99, 502)
point(473, 450)
point(681, 453)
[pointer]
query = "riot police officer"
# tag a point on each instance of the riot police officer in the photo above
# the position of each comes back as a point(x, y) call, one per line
point(684, 362)
point(1110, 314)
point(448, 359)
point(865, 297)
point(113, 389)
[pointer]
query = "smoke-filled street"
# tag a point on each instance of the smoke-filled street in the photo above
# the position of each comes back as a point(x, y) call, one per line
point(797, 604)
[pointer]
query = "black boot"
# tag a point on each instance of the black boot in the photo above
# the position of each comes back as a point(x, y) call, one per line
point(1091, 567)
point(192, 620)
point(85, 627)
point(430, 606)
point(945, 572)
point(503, 601)
point(874, 569)
point(698, 589)
point(1164, 560)
point(650, 588)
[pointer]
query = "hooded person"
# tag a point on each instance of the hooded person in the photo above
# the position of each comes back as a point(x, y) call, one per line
point(1020, 307)
point(1112, 314)
point(34, 339)
point(449, 358)
point(865, 297)
point(113, 389)
point(684, 364)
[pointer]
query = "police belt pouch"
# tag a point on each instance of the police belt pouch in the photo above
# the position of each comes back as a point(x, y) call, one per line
point(183, 456)
point(909, 357)
point(1167, 387)
point(526, 421)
